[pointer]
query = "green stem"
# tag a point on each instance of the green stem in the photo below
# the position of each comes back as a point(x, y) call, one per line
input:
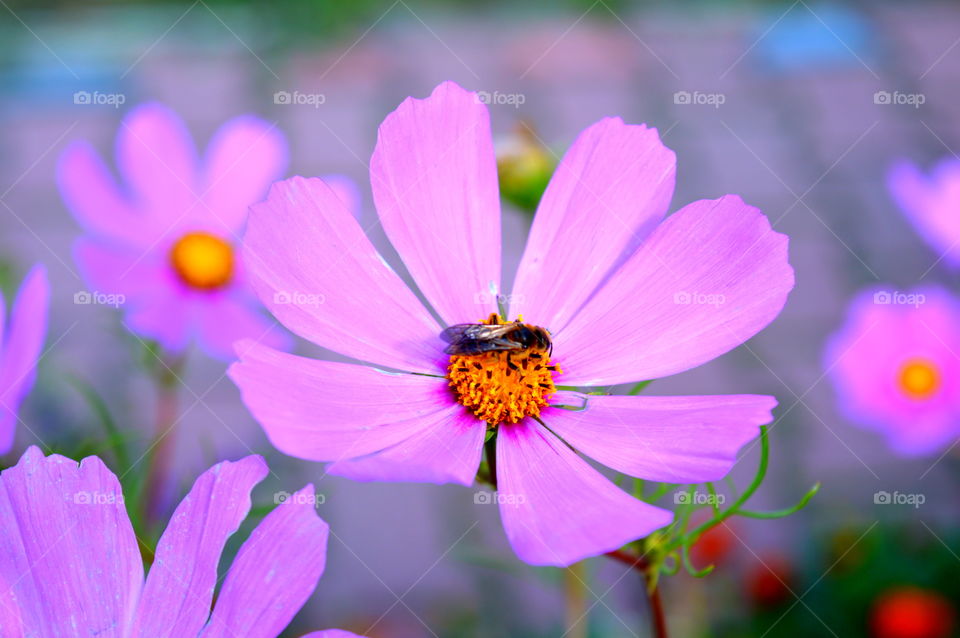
point(787, 511)
point(490, 449)
point(754, 485)
point(662, 488)
point(637, 389)
point(640, 563)
point(658, 619)
point(714, 501)
point(575, 599)
point(688, 565)
point(160, 456)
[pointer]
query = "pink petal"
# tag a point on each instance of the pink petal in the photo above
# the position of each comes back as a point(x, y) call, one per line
point(327, 411)
point(347, 192)
point(434, 179)
point(176, 598)
point(156, 155)
point(666, 439)
point(910, 188)
point(120, 270)
point(865, 356)
point(3, 309)
point(611, 189)
point(22, 346)
point(331, 633)
point(160, 307)
point(96, 201)
point(67, 548)
point(225, 319)
point(167, 317)
point(156, 304)
point(446, 450)
point(706, 280)
point(10, 618)
point(556, 509)
point(245, 156)
point(275, 572)
point(313, 267)
point(930, 203)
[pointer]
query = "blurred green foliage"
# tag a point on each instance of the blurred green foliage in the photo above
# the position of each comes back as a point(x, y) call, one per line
point(303, 20)
point(844, 573)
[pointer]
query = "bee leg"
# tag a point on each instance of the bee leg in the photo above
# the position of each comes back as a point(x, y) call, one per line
point(510, 363)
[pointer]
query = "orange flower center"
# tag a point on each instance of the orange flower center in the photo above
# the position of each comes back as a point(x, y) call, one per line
point(202, 260)
point(503, 385)
point(919, 378)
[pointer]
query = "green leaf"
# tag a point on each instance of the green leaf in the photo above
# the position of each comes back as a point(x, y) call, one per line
point(637, 389)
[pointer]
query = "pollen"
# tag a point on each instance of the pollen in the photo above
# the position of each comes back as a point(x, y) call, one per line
point(202, 261)
point(919, 378)
point(505, 385)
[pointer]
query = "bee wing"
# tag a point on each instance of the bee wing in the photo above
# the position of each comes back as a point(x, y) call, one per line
point(457, 332)
point(474, 338)
point(474, 332)
point(472, 346)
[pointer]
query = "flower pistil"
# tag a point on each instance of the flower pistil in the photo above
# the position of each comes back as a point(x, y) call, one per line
point(202, 260)
point(919, 378)
point(503, 385)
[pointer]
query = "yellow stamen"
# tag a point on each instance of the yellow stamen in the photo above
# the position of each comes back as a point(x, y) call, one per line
point(202, 260)
point(503, 385)
point(919, 378)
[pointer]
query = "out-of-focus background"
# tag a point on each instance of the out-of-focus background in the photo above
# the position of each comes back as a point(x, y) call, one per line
point(791, 105)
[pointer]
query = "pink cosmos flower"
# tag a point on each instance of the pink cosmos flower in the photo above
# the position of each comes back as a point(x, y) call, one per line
point(70, 564)
point(625, 294)
point(165, 240)
point(895, 368)
point(20, 346)
point(930, 203)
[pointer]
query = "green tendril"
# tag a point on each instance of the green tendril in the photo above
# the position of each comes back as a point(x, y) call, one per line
point(669, 549)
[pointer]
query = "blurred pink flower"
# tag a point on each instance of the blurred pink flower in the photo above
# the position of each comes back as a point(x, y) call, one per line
point(70, 564)
point(164, 242)
point(626, 295)
point(930, 203)
point(895, 368)
point(22, 340)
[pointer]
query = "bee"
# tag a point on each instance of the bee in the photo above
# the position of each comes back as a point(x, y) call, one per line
point(477, 338)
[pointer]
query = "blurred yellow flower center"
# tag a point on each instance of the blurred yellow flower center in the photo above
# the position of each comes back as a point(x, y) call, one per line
point(919, 379)
point(202, 260)
point(503, 385)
